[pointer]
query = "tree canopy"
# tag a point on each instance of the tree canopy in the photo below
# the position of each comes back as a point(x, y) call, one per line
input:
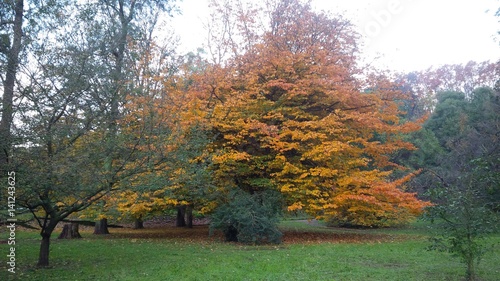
point(291, 115)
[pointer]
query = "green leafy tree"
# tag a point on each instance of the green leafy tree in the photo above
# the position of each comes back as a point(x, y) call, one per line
point(463, 180)
point(72, 149)
point(448, 119)
point(462, 218)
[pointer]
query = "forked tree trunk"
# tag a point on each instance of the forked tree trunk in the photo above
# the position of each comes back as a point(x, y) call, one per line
point(138, 224)
point(43, 258)
point(189, 216)
point(47, 229)
point(70, 231)
point(180, 220)
point(101, 227)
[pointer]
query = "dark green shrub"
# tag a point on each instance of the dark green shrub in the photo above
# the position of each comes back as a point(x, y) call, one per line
point(249, 218)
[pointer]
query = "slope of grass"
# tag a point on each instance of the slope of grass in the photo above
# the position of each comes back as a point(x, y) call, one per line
point(173, 254)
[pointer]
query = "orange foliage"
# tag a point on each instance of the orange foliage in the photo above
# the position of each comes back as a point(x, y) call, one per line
point(290, 114)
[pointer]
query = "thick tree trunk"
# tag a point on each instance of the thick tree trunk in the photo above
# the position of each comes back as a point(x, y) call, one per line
point(9, 82)
point(48, 226)
point(138, 224)
point(180, 221)
point(101, 227)
point(70, 231)
point(43, 258)
point(189, 216)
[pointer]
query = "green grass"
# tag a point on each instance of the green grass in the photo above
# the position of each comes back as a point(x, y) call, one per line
point(378, 254)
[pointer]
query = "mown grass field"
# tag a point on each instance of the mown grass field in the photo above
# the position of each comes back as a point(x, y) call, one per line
point(309, 252)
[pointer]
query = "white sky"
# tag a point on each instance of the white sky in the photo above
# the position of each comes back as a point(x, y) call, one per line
point(401, 35)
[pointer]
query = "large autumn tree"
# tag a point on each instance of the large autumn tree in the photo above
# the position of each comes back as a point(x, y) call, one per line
point(293, 115)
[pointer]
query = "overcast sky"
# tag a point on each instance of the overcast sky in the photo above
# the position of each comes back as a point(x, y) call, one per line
point(401, 35)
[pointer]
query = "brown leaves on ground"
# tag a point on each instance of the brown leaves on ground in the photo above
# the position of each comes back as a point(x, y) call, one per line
point(195, 234)
point(333, 236)
point(200, 233)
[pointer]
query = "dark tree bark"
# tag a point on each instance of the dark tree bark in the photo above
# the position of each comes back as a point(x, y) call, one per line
point(43, 258)
point(138, 223)
point(9, 82)
point(231, 234)
point(47, 228)
point(189, 216)
point(101, 227)
point(180, 220)
point(70, 231)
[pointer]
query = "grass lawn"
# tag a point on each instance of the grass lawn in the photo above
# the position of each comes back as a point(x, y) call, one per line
point(310, 252)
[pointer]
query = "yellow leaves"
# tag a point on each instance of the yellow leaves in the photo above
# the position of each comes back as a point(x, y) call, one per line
point(232, 156)
point(361, 178)
point(280, 158)
point(285, 188)
point(172, 201)
point(290, 169)
point(282, 146)
point(138, 209)
point(323, 172)
point(326, 150)
point(314, 193)
point(102, 216)
point(303, 175)
point(209, 207)
point(139, 204)
point(296, 206)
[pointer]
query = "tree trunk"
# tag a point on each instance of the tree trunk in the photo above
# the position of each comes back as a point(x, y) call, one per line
point(43, 258)
point(9, 82)
point(101, 227)
point(70, 231)
point(180, 221)
point(470, 274)
point(231, 234)
point(138, 224)
point(189, 216)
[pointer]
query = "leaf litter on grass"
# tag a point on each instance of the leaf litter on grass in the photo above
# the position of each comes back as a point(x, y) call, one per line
point(311, 234)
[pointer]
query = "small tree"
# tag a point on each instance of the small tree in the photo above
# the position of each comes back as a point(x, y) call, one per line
point(461, 219)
